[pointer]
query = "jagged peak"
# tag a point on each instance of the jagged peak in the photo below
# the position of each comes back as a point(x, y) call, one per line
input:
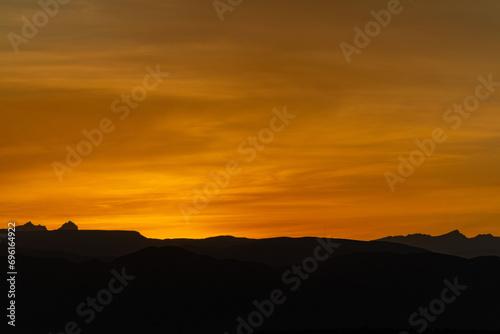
point(418, 235)
point(454, 233)
point(69, 226)
point(29, 226)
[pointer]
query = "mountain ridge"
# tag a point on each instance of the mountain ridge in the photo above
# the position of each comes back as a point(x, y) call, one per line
point(451, 243)
point(74, 243)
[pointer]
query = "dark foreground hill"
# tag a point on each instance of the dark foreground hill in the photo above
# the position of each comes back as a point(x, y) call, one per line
point(172, 290)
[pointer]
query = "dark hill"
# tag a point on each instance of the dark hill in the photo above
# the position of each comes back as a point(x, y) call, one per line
point(76, 245)
point(177, 291)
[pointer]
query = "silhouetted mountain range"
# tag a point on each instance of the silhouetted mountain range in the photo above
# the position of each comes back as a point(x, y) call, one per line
point(453, 243)
point(78, 245)
point(122, 282)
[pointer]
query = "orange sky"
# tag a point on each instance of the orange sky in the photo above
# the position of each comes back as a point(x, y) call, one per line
point(322, 175)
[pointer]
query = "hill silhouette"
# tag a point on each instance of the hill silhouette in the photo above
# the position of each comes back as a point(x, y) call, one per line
point(452, 243)
point(80, 245)
point(178, 291)
point(69, 226)
point(210, 285)
point(29, 226)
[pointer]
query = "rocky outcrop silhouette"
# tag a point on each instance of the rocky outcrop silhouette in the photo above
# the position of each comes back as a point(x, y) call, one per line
point(29, 226)
point(69, 226)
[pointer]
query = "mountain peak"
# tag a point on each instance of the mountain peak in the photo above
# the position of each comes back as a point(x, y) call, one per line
point(454, 234)
point(69, 226)
point(29, 226)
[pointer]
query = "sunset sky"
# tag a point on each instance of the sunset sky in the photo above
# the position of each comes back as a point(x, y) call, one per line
point(323, 174)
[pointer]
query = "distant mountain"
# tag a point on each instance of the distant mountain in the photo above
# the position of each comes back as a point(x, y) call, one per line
point(69, 226)
point(73, 244)
point(30, 227)
point(453, 243)
point(82, 243)
point(172, 290)
point(277, 252)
